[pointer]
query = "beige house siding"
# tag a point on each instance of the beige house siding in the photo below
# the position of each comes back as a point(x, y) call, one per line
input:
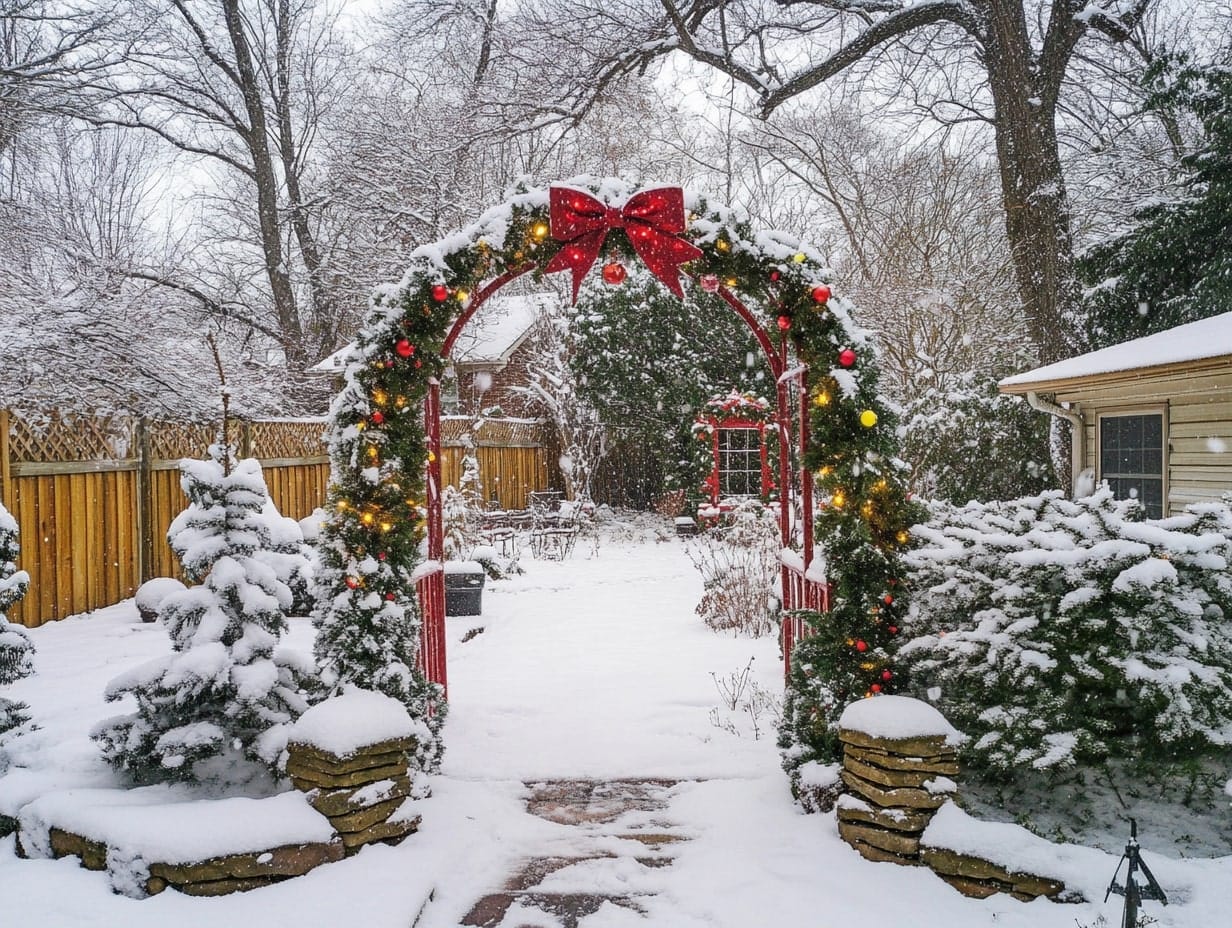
point(1197, 406)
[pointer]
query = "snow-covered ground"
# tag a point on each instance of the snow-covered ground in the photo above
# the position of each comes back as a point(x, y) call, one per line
point(592, 668)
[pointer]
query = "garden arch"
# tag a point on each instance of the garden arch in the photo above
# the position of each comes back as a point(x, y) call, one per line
point(379, 593)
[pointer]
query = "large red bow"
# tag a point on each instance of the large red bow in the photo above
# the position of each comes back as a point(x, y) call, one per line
point(651, 219)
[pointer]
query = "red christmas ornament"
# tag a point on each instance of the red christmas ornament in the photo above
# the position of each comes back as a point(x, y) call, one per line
point(440, 293)
point(784, 323)
point(876, 687)
point(389, 363)
point(418, 363)
point(378, 417)
point(847, 357)
point(893, 629)
point(390, 597)
point(404, 348)
point(381, 555)
point(710, 283)
point(774, 277)
point(888, 599)
point(614, 273)
point(886, 675)
point(821, 293)
point(861, 646)
point(352, 582)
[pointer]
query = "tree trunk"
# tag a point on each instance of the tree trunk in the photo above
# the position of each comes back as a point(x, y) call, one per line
point(266, 179)
point(1037, 221)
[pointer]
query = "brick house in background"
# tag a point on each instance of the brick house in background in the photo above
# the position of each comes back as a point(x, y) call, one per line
point(482, 410)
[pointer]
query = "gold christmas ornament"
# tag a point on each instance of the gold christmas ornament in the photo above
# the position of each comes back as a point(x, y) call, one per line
point(868, 418)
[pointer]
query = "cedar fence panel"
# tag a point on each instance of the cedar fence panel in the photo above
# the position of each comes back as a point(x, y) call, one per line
point(94, 496)
point(513, 459)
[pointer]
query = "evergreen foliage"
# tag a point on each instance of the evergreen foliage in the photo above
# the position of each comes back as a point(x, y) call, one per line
point(16, 648)
point(1061, 632)
point(971, 442)
point(862, 530)
point(222, 700)
point(648, 363)
point(1176, 259)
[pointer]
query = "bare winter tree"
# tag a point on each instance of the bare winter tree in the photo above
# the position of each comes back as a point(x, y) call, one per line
point(244, 85)
point(999, 61)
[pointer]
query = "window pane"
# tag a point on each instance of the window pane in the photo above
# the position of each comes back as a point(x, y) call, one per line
point(1131, 459)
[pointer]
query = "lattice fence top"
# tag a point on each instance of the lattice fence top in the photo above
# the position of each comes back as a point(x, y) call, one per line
point(287, 439)
point(492, 433)
point(54, 438)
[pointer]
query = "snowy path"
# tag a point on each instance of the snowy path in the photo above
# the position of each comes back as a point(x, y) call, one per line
point(582, 771)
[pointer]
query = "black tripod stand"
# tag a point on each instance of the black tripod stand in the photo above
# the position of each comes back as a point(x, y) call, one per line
point(1133, 893)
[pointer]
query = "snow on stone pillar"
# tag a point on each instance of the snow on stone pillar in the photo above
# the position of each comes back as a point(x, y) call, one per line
point(350, 754)
point(899, 755)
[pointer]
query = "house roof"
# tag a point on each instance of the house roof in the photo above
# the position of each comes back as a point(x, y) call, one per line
point(1205, 340)
point(499, 326)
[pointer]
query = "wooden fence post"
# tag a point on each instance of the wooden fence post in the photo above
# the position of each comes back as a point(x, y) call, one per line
point(245, 439)
point(145, 504)
point(6, 471)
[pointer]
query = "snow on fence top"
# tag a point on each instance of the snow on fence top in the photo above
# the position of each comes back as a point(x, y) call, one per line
point(342, 725)
point(1195, 341)
point(898, 717)
point(143, 824)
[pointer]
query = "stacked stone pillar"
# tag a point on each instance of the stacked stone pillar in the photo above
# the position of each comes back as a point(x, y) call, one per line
point(350, 755)
point(894, 787)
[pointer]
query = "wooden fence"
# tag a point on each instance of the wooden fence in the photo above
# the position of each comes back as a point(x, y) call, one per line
point(94, 496)
point(513, 456)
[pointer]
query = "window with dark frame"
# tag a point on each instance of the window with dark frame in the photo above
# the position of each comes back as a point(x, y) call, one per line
point(1131, 459)
point(739, 462)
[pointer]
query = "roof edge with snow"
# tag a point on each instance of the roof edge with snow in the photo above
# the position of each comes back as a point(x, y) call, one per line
point(1208, 341)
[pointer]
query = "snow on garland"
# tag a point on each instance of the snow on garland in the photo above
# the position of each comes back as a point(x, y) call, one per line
point(367, 611)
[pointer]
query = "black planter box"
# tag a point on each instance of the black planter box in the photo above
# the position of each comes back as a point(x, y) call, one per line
point(463, 590)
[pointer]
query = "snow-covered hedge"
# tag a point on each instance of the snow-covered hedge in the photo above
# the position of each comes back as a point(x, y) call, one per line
point(1060, 631)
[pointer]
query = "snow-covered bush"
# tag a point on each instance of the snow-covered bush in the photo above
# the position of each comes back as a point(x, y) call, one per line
point(218, 706)
point(290, 556)
point(739, 564)
point(1059, 632)
point(150, 596)
point(16, 648)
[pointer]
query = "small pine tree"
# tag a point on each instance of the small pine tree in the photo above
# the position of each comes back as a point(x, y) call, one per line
point(223, 697)
point(16, 648)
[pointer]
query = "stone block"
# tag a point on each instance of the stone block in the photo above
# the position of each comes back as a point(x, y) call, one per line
point(926, 746)
point(321, 756)
point(350, 765)
point(868, 852)
point(382, 831)
point(976, 889)
point(893, 842)
point(890, 779)
point(912, 820)
point(93, 854)
point(946, 765)
point(891, 798)
point(366, 818)
point(332, 802)
point(308, 778)
point(224, 887)
point(287, 861)
point(951, 863)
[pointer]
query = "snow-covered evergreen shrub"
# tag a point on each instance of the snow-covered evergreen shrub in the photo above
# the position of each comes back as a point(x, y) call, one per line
point(219, 705)
point(971, 442)
point(290, 556)
point(16, 648)
point(1059, 632)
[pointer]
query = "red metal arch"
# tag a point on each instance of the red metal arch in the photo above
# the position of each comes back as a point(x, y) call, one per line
point(799, 591)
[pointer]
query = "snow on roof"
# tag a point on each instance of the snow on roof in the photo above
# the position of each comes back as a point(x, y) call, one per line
point(1195, 341)
point(498, 327)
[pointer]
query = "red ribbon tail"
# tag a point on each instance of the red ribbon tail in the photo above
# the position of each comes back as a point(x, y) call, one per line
point(578, 256)
point(664, 254)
